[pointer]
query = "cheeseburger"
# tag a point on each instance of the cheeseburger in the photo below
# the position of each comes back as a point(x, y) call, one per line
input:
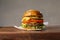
point(32, 20)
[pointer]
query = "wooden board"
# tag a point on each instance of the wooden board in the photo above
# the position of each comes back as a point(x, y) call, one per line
point(11, 33)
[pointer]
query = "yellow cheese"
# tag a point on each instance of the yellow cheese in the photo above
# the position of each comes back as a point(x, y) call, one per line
point(25, 18)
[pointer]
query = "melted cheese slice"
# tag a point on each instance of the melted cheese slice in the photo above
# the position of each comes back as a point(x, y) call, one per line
point(26, 18)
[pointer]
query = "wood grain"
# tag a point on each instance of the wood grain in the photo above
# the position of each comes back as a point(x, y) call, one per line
point(11, 33)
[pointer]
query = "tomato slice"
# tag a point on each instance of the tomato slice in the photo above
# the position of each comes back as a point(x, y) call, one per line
point(32, 20)
point(38, 21)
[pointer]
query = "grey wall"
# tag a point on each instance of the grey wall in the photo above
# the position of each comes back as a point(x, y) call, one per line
point(11, 11)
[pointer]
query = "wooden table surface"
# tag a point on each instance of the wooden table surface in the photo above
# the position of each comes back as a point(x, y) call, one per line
point(11, 33)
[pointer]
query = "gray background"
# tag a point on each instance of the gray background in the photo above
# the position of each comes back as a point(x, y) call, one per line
point(11, 11)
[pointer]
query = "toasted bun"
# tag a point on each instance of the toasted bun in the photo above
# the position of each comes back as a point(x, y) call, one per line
point(32, 12)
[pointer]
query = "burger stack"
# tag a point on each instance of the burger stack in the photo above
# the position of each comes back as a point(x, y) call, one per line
point(32, 20)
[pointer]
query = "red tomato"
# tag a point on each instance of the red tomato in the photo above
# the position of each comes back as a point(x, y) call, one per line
point(39, 21)
point(32, 20)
